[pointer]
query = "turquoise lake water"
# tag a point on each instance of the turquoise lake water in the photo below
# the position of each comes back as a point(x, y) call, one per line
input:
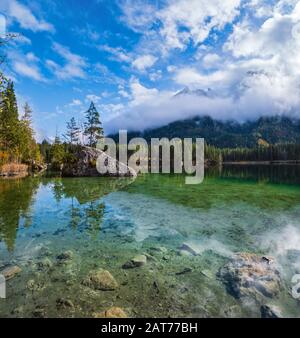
point(105, 222)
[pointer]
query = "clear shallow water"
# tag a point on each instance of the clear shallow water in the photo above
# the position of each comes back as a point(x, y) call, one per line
point(105, 222)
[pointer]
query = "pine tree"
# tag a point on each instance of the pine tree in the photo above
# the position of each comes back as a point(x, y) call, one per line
point(72, 134)
point(93, 127)
point(28, 147)
point(9, 127)
point(57, 153)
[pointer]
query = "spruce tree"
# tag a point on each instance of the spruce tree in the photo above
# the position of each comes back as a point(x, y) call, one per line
point(57, 153)
point(93, 127)
point(10, 122)
point(28, 146)
point(72, 134)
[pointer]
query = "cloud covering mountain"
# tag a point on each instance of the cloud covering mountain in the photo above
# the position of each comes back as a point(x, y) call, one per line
point(132, 57)
point(255, 72)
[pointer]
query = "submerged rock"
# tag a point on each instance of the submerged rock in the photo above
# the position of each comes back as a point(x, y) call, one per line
point(251, 275)
point(270, 311)
point(188, 249)
point(62, 303)
point(135, 262)
point(10, 272)
point(100, 280)
point(159, 249)
point(44, 264)
point(39, 312)
point(114, 312)
point(184, 271)
point(65, 257)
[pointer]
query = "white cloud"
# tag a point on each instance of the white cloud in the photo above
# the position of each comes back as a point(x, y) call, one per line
point(26, 65)
point(141, 94)
point(144, 61)
point(118, 53)
point(122, 92)
point(257, 75)
point(24, 16)
point(180, 22)
point(74, 66)
point(211, 60)
point(75, 102)
point(92, 97)
point(138, 14)
point(31, 57)
point(28, 70)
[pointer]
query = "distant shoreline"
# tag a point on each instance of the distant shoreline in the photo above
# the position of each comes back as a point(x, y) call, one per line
point(294, 162)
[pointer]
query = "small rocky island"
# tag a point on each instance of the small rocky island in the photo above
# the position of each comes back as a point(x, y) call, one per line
point(84, 164)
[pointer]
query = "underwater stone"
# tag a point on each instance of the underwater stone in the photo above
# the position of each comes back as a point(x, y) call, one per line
point(65, 256)
point(160, 249)
point(32, 285)
point(269, 311)
point(114, 312)
point(62, 303)
point(135, 262)
point(39, 312)
point(184, 253)
point(184, 271)
point(249, 275)
point(100, 280)
point(10, 272)
point(44, 264)
point(188, 248)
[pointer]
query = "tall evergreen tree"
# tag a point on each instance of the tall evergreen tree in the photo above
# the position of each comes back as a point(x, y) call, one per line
point(28, 146)
point(9, 127)
point(93, 126)
point(72, 134)
point(57, 153)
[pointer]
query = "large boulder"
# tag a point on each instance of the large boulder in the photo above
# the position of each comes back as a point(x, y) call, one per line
point(251, 275)
point(84, 164)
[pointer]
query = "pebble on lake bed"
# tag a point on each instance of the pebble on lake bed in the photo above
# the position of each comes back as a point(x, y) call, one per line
point(135, 262)
point(188, 249)
point(65, 257)
point(114, 312)
point(10, 272)
point(62, 303)
point(100, 280)
point(270, 311)
point(44, 264)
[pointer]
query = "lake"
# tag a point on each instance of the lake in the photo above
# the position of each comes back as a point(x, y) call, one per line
point(58, 230)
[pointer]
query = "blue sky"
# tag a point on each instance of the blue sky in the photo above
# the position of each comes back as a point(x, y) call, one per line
point(131, 57)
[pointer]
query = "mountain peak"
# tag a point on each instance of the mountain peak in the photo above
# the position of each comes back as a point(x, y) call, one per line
point(194, 92)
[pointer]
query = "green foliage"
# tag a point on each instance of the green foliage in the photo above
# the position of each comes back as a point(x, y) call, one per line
point(229, 134)
point(45, 150)
point(57, 153)
point(278, 152)
point(93, 127)
point(72, 134)
point(16, 135)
